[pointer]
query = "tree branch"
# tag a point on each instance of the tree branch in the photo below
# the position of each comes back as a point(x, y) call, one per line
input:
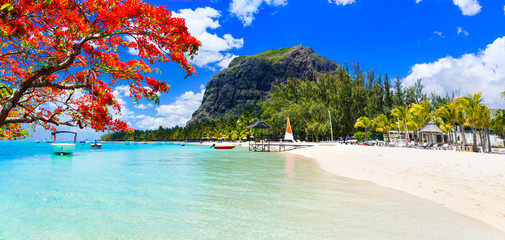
point(61, 86)
point(71, 55)
point(30, 119)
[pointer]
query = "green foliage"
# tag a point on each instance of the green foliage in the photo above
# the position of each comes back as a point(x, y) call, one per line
point(274, 55)
point(360, 136)
point(352, 98)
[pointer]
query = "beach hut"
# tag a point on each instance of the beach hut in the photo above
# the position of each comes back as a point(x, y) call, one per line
point(431, 130)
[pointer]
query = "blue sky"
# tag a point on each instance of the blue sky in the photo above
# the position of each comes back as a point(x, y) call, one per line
point(453, 45)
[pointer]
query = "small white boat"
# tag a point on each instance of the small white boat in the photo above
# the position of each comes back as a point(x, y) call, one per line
point(63, 148)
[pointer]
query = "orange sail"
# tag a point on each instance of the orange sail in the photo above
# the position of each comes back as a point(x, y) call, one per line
point(289, 133)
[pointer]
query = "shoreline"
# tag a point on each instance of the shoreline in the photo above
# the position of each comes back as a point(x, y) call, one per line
point(472, 184)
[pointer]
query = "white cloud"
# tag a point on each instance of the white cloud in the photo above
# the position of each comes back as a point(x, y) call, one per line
point(437, 34)
point(119, 92)
point(245, 9)
point(151, 123)
point(471, 73)
point(468, 7)
point(142, 106)
point(213, 49)
point(462, 32)
point(226, 60)
point(126, 113)
point(124, 89)
point(345, 2)
point(176, 113)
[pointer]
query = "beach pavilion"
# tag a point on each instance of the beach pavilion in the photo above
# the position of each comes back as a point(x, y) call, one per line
point(259, 140)
point(431, 131)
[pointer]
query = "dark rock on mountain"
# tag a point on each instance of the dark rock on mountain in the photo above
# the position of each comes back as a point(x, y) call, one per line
point(248, 79)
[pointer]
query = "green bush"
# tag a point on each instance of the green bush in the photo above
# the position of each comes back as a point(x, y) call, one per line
point(360, 136)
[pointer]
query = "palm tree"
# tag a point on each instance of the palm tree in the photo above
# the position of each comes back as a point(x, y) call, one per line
point(402, 114)
point(498, 123)
point(243, 121)
point(420, 114)
point(423, 110)
point(471, 104)
point(382, 124)
point(484, 122)
point(363, 122)
point(449, 115)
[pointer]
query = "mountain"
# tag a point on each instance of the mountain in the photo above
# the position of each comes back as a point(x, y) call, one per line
point(248, 80)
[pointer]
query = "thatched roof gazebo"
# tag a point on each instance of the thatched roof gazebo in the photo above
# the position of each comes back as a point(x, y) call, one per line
point(259, 139)
point(259, 124)
point(431, 129)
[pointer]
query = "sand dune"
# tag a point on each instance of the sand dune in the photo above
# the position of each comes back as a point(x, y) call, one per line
point(472, 184)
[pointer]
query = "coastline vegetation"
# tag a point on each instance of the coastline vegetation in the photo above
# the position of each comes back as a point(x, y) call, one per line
point(359, 103)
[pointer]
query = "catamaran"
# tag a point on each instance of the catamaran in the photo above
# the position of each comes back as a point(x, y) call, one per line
point(63, 148)
point(289, 133)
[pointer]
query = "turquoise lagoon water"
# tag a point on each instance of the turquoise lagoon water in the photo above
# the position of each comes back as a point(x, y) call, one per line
point(193, 192)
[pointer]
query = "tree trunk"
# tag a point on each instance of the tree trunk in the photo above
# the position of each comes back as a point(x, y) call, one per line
point(474, 133)
point(482, 140)
point(456, 142)
point(462, 129)
point(366, 134)
point(490, 148)
point(406, 132)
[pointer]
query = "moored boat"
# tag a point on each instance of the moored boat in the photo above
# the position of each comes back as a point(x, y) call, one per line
point(224, 147)
point(63, 148)
point(96, 145)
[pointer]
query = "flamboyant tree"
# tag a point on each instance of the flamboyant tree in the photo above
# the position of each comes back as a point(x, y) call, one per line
point(59, 60)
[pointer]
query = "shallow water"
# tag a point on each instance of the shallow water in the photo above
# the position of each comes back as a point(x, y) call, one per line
point(193, 192)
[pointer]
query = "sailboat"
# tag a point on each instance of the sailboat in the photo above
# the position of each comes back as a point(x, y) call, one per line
point(289, 133)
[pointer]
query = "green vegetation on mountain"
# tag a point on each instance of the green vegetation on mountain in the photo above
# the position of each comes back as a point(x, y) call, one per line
point(349, 94)
point(249, 79)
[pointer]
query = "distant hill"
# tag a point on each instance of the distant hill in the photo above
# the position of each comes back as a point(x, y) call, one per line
point(248, 80)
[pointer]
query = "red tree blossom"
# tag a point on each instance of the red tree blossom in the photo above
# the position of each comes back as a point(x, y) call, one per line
point(51, 50)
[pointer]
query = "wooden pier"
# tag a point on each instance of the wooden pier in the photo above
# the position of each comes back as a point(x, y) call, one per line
point(276, 146)
point(263, 143)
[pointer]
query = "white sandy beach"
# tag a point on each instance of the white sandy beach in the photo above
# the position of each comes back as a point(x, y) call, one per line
point(472, 184)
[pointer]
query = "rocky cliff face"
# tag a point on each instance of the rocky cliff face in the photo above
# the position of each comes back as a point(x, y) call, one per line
point(248, 79)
